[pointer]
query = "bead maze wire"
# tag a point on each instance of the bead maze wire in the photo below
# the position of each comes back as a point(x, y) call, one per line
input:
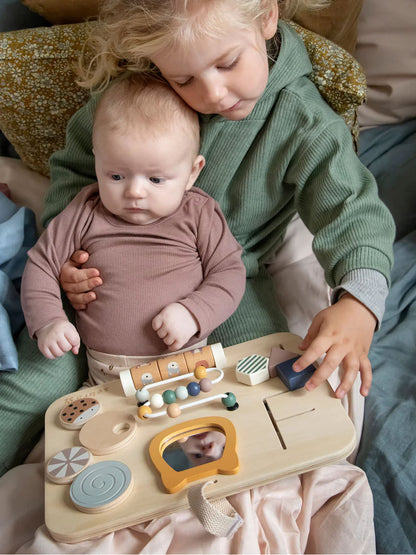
point(169, 397)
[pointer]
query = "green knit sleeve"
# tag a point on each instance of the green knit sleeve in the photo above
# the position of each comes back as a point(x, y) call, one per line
point(72, 167)
point(337, 199)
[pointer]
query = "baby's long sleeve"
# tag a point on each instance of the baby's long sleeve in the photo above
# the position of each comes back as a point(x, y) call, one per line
point(224, 273)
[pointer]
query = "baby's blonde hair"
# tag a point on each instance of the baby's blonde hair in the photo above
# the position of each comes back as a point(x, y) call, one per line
point(145, 100)
point(130, 32)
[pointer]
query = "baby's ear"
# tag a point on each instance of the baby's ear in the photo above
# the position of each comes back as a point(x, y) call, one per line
point(197, 166)
point(269, 24)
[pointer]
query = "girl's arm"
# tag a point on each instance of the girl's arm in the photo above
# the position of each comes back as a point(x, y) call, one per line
point(78, 282)
point(72, 167)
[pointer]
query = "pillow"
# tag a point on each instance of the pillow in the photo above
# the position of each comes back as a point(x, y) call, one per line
point(38, 94)
point(339, 77)
point(59, 12)
point(386, 48)
point(37, 90)
point(338, 22)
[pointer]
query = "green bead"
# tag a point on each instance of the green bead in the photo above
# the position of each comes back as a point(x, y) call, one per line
point(230, 400)
point(169, 396)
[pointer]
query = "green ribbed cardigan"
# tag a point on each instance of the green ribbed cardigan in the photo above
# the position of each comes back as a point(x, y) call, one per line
point(293, 153)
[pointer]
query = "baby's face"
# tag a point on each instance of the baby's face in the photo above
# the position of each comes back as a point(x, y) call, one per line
point(204, 448)
point(143, 176)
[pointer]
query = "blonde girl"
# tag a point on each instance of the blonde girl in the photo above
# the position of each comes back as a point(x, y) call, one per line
point(273, 147)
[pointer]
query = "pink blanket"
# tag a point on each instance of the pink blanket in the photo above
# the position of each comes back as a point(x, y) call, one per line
point(329, 510)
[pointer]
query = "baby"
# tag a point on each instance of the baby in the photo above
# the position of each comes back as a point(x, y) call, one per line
point(173, 270)
point(204, 448)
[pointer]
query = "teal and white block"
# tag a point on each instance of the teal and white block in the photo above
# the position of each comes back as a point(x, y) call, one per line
point(253, 369)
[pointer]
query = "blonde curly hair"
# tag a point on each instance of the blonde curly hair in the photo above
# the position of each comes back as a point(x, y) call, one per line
point(129, 32)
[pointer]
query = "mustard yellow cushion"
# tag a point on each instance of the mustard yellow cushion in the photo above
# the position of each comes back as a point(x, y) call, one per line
point(38, 94)
point(338, 22)
point(37, 90)
point(64, 11)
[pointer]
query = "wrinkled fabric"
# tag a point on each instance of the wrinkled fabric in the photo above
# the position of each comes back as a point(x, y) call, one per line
point(328, 510)
point(17, 235)
point(388, 447)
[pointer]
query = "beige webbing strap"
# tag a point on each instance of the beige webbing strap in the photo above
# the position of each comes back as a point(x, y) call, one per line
point(217, 517)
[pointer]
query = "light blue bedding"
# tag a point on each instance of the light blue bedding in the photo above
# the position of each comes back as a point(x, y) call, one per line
point(388, 446)
point(17, 236)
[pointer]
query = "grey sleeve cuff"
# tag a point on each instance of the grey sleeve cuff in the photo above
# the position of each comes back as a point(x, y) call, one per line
point(368, 286)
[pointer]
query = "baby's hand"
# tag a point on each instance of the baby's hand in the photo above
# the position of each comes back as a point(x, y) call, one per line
point(57, 338)
point(175, 325)
point(343, 333)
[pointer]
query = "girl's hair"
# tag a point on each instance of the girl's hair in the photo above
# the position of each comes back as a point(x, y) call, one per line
point(130, 32)
point(144, 102)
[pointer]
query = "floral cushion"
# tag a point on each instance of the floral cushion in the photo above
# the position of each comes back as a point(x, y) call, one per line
point(38, 94)
point(37, 90)
point(339, 77)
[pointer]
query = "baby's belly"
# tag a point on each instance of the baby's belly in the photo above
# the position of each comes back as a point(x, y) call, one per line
point(119, 321)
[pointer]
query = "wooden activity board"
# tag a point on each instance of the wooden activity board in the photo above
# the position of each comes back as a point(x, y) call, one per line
point(278, 433)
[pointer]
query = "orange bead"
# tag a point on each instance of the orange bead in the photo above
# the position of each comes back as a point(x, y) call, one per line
point(144, 409)
point(173, 410)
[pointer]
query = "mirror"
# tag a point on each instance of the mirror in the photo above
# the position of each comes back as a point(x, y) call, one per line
point(193, 450)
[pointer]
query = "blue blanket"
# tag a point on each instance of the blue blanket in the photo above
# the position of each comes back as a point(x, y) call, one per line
point(17, 235)
point(388, 446)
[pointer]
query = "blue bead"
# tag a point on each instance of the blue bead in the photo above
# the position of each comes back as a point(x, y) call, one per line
point(193, 388)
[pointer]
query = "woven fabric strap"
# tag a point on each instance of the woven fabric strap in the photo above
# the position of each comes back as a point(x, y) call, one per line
point(217, 517)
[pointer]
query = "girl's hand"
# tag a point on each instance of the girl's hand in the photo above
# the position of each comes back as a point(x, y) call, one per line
point(57, 338)
point(78, 282)
point(175, 325)
point(343, 333)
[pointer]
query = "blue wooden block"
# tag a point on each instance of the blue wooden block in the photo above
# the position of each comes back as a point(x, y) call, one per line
point(291, 379)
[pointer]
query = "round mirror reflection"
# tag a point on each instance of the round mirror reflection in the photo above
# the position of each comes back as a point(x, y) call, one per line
point(195, 450)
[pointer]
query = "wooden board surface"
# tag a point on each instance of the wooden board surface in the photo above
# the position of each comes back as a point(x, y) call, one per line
point(279, 433)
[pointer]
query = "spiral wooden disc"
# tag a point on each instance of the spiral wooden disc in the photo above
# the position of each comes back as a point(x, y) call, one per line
point(101, 486)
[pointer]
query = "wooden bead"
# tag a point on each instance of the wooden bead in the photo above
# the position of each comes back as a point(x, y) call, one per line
point(173, 410)
point(205, 384)
point(200, 372)
point(193, 388)
point(141, 411)
point(230, 400)
point(169, 396)
point(142, 395)
point(181, 393)
point(156, 401)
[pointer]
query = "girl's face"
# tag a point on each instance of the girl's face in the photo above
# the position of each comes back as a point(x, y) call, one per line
point(225, 75)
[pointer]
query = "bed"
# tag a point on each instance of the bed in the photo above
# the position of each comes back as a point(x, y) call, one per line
point(388, 446)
